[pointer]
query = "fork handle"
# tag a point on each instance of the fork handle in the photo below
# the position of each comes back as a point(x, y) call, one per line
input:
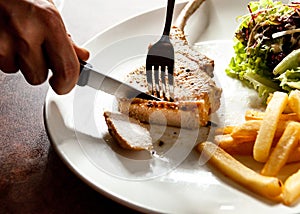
point(169, 16)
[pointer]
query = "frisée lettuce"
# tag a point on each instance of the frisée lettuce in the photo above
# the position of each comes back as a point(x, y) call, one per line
point(265, 36)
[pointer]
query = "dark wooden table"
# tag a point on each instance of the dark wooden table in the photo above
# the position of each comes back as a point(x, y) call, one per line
point(33, 179)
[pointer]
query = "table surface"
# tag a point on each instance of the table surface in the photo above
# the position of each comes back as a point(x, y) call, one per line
point(33, 179)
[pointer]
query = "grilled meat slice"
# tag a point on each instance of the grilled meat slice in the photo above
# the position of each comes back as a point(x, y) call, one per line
point(135, 138)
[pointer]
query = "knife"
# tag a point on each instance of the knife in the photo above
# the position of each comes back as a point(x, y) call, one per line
point(100, 81)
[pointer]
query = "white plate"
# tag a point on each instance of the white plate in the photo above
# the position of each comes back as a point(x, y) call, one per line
point(161, 184)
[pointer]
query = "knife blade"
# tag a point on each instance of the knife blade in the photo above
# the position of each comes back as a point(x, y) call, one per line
point(100, 81)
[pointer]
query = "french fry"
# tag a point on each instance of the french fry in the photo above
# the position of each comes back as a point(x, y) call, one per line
point(254, 115)
point(294, 156)
point(288, 110)
point(224, 130)
point(225, 139)
point(229, 139)
point(259, 115)
point(244, 148)
point(268, 127)
point(241, 146)
point(248, 128)
point(251, 128)
point(270, 187)
point(276, 131)
point(291, 189)
point(284, 147)
point(294, 102)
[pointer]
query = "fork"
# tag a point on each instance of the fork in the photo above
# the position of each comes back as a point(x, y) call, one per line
point(160, 62)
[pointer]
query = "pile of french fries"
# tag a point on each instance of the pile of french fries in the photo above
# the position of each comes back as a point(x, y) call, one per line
point(271, 137)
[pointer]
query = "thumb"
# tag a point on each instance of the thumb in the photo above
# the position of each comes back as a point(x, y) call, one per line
point(82, 53)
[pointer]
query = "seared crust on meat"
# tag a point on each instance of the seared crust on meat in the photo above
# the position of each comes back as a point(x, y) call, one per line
point(185, 114)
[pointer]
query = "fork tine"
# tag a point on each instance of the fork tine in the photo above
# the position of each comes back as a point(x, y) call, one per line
point(171, 82)
point(167, 84)
point(161, 82)
point(149, 77)
point(154, 80)
point(157, 81)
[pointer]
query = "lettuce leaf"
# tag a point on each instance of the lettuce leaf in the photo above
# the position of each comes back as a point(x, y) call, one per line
point(290, 79)
point(256, 53)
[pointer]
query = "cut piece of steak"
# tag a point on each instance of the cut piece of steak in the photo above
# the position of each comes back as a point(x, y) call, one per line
point(128, 132)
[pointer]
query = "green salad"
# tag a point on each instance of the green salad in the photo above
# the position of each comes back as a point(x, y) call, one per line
point(267, 47)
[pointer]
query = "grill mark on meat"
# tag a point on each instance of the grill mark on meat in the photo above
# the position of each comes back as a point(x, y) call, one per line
point(185, 114)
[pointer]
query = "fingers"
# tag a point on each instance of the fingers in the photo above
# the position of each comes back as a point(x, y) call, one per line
point(34, 41)
point(82, 53)
point(32, 63)
point(35, 60)
point(65, 65)
point(7, 59)
point(61, 54)
point(7, 53)
point(62, 59)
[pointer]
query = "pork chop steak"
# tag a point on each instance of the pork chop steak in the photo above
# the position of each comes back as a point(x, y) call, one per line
point(196, 93)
